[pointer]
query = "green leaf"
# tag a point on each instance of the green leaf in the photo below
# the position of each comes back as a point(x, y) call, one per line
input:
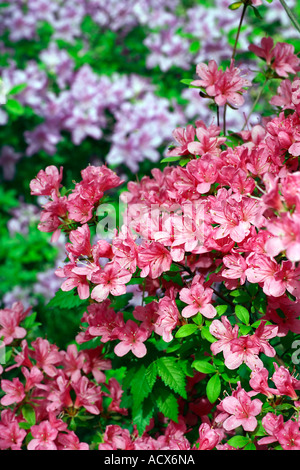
point(30, 322)
point(187, 81)
point(186, 330)
point(221, 309)
point(29, 414)
point(171, 374)
point(184, 161)
point(17, 89)
point(213, 388)
point(14, 107)
point(24, 425)
point(66, 300)
point(250, 446)
point(140, 388)
point(256, 13)
point(291, 15)
point(244, 329)
point(240, 296)
point(238, 441)
point(141, 415)
point(242, 314)
point(194, 47)
point(170, 159)
point(166, 401)
point(204, 367)
point(206, 334)
point(151, 374)
point(235, 5)
point(198, 319)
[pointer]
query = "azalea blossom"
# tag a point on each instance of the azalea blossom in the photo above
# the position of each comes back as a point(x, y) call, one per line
point(109, 280)
point(199, 299)
point(131, 338)
point(242, 411)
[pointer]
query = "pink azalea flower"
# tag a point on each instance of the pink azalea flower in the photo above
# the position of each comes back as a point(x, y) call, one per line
point(259, 383)
point(199, 299)
point(59, 394)
point(73, 362)
point(131, 338)
point(284, 95)
point(95, 363)
point(79, 209)
point(206, 143)
point(209, 75)
point(33, 377)
point(230, 87)
point(168, 317)
point(225, 333)
point(11, 435)
point(117, 438)
point(10, 319)
point(182, 137)
point(147, 315)
point(53, 215)
point(289, 436)
point(112, 279)
point(204, 169)
point(102, 321)
point(88, 395)
point(243, 350)
point(14, 390)
point(281, 58)
point(208, 437)
point(262, 336)
point(46, 355)
point(79, 242)
point(69, 441)
point(47, 181)
point(286, 236)
point(125, 250)
point(44, 436)
point(272, 425)
point(153, 259)
point(74, 281)
point(242, 411)
point(236, 267)
point(285, 383)
point(288, 318)
point(115, 392)
point(235, 218)
point(262, 270)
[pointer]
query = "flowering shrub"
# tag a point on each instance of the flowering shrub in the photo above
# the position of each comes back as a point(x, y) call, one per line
point(187, 288)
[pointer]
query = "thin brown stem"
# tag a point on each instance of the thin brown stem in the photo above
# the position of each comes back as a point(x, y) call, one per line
point(233, 56)
point(239, 31)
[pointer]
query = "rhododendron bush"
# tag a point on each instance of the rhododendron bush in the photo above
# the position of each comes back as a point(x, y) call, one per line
point(185, 283)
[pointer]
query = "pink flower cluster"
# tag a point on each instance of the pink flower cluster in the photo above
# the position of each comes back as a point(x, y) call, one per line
point(245, 348)
point(79, 205)
point(240, 410)
point(52, 382)
point(224, 87)
point(225, 221)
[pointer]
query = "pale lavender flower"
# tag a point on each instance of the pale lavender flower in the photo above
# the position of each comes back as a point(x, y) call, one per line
point(8, 161)
point(43, 137)
point(22, 217)
point(59, 63)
